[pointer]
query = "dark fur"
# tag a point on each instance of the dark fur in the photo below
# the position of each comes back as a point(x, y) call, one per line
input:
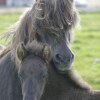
point(62, 87)
point(58, 87)
point(51, 22)
point(48, 21)
point(26, 80)
point(9, 83)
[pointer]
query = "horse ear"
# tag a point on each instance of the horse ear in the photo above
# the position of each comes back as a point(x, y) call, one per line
point(46, 54)
point(20, 52)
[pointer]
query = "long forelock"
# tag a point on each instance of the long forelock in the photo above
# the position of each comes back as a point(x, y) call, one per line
point(46, 16)
point(55, 14)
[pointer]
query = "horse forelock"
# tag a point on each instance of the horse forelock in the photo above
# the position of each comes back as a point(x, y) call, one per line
point(46, 16)
point(55, 15)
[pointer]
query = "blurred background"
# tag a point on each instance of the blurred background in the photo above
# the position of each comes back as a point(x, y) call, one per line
point(82, 4)
point(86, 45)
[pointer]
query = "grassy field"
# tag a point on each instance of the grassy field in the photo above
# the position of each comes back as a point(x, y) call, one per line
point(86, 46)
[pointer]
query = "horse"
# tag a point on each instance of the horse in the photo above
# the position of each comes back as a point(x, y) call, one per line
point(24, 80)
point(51, 22)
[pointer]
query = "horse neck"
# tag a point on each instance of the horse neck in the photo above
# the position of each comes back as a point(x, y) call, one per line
point(58, 81)
point(58, 87)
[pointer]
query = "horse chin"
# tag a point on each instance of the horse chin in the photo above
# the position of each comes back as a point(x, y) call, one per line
point(62, 68)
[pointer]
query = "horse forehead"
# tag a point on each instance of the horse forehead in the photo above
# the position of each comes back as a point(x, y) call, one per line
point(33, 63)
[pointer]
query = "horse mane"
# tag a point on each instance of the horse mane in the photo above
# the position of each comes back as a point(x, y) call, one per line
point(5, 51)
point(45, 17)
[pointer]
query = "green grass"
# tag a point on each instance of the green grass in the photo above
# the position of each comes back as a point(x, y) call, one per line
point(6, 20)
point(86, 46)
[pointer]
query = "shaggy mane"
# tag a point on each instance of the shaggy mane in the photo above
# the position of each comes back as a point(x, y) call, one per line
point(45, 17)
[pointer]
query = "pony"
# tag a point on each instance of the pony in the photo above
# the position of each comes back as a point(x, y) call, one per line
point(51, 22)
point(24, 80)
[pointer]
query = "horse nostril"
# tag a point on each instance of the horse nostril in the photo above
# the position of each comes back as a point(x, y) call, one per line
point(59, 58)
